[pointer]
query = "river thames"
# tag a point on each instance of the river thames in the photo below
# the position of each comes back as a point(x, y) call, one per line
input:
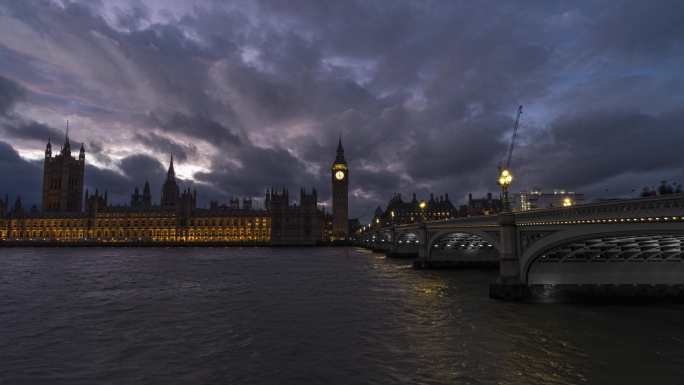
point(305, 316)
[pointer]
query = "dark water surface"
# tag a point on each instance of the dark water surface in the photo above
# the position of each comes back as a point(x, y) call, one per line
point(305, 316)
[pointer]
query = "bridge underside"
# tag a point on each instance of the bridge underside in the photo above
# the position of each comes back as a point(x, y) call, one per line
point(462, 244)
point(380, 242)
point(622, 260)
point(459, 249)
point(406, 246)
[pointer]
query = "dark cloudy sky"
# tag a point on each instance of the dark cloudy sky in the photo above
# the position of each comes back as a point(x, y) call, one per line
point(249, 94)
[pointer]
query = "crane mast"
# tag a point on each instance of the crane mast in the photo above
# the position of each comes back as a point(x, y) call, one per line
point(505, 176)
point(515, 134)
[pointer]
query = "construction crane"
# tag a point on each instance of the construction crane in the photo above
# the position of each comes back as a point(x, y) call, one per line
point(505, 176)
point(512, 146)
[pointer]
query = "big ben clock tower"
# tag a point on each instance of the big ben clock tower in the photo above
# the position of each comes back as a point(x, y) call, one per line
point(340, 193)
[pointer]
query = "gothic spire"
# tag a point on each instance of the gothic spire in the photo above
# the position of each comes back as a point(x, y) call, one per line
point(48, 149)
point(147, 195)
point(340, 152)
point(67, 146)
point(171, 174)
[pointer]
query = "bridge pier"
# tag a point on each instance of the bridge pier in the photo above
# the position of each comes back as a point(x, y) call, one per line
point(381, 247)
point(508, 286)
point(399, 248)
point(402, 251)
point(511, 291)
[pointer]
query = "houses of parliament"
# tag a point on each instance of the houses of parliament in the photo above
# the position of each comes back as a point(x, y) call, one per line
point(70, 215)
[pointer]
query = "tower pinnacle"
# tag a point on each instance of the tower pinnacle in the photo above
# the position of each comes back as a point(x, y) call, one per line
point(340, 152)
point(48, 149)
point(67, 146)
point(171, 174)
point(169, 196)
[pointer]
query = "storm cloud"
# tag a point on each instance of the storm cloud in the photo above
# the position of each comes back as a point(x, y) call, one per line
point(253, 94)
point(10, 92)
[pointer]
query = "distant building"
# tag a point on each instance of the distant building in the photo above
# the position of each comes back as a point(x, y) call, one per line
point(354, 226)
point(538, 199)
point(4, 206)
point(488, 205)
point(63, 179)
point(328, 227)
point(399, 211)
point(294, 224)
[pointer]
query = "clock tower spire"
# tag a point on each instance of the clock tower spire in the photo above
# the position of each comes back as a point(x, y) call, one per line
point(340, 195)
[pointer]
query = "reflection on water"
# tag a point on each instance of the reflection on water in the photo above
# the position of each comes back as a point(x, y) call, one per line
point(286, 315)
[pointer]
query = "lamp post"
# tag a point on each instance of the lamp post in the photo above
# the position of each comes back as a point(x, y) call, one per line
point(505, 179)
point(567, 202)
point(422, 205)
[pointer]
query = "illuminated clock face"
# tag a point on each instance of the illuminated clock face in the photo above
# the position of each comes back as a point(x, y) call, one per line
point(339, 175)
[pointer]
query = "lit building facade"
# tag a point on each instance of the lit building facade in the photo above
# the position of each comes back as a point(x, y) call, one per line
point(177, 219)
point(125, 225)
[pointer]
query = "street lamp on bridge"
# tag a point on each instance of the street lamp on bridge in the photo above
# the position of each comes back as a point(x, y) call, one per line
point(505, 179)
point(422, 205)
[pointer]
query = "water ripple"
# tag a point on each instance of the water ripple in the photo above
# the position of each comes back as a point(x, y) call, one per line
point(313, 316)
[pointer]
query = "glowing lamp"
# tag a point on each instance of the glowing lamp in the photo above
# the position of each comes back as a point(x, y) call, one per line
point(505, 178)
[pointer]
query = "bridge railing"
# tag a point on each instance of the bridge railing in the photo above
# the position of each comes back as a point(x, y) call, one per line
point(660, 208)
point(484, 220)
point(669, 207)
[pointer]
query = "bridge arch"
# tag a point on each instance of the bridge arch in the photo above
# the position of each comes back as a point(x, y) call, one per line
point(378, 240)
point(608, 244)
point(385, 235)
point(467, 240)
point(408, 237)
point(475, 235)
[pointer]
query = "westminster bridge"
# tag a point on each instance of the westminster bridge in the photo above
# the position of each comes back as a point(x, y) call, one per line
point(634, 245)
